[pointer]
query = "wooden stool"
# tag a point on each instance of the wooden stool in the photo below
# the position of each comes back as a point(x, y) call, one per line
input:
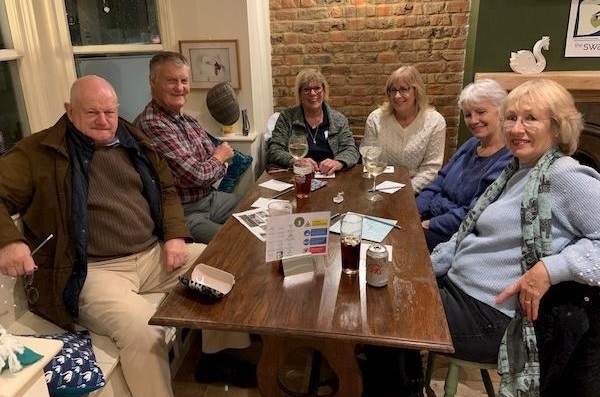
point(454, 365)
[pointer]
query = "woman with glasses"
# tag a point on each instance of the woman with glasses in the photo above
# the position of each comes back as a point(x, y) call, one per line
point(412, 132)
point(520, 279)
point(445, 201)
point(331, 146)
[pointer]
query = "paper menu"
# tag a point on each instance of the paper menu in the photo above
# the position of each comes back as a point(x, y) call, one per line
point(305, 232)
point(372, 229)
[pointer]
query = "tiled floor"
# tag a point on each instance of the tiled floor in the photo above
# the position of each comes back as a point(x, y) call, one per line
point(185, 386)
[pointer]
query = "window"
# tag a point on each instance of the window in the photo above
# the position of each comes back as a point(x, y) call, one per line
point(44, 44)
point(13, 125)
point(127, 73)
point(93, 22)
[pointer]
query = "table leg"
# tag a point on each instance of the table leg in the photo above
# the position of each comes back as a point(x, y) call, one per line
point(341, 356)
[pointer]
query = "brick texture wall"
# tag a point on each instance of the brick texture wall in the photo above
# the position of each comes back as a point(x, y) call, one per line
point(357, 44)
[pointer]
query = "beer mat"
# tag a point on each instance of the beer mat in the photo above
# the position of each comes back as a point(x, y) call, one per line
point(274, 184)
point(389, 187)
point(363, 253)
point(388, 170)
point(323, 176)
point(263, 202)
point(374, 228)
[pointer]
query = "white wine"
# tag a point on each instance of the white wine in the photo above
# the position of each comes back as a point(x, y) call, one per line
point(298, 150)
point(370, 151)
point(375, 167)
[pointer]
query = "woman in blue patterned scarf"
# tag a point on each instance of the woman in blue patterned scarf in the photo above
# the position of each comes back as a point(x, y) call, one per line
point(519, 281)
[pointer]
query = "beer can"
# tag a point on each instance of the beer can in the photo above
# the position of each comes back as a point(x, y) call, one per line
point(377, 265)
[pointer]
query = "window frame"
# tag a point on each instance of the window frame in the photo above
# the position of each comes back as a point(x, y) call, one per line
point(45, 58)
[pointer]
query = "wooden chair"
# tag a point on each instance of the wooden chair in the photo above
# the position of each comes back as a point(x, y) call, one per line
point(454, 365)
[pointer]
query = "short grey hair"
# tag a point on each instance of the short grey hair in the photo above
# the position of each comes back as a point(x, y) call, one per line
point(485, 90)
point(166, 56)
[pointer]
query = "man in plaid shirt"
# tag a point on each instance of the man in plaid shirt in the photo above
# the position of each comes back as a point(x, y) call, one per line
point(195, 162)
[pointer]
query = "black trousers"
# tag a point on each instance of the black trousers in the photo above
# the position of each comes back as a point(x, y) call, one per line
point(476, 328)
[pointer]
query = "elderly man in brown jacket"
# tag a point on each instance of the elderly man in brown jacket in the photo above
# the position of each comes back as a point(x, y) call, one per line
point(96, 183)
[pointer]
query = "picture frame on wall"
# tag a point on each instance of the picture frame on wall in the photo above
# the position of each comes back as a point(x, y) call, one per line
point(212, 62)
point(583, 33)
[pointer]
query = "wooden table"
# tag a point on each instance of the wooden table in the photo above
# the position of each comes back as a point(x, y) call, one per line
point(327, 310)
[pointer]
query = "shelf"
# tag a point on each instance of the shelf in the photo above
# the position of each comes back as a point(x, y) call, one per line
point(583, 85)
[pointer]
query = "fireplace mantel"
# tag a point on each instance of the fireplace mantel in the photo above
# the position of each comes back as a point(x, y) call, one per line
point(583, 85)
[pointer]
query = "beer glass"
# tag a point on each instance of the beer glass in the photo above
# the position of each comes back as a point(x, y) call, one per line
point(279, 207)
point(350, 236)
point(303, 176)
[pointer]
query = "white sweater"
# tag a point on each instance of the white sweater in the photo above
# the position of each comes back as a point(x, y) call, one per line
point(419, 147)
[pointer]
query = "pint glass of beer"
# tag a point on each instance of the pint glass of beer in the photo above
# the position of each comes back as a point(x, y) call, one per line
point(303, 175)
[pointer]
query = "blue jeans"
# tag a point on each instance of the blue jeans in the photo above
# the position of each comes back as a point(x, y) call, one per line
point(476, 328)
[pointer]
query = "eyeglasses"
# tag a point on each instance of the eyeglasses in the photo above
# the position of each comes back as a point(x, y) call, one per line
point(528, 121)
point(316, 90)
point(400, 90)
point(30, 290)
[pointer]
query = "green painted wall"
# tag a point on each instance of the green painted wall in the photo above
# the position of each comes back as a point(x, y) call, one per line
point(498, 27)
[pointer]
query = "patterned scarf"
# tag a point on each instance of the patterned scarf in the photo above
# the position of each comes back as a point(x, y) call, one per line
point(518, 362)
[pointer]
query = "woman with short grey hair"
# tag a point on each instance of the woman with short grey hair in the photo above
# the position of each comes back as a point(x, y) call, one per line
point(445, 201)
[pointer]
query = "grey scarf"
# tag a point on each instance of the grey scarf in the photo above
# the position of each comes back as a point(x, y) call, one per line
point(518, 362)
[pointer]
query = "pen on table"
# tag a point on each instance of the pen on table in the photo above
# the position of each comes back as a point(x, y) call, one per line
point(333, 216)
point(283, 192)
point(277, 170)
point(384, 222)
point(42, 244)
point(385, 188)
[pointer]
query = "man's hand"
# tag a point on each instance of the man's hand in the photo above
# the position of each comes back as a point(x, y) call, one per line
point(425, 224)
point(16, 260)
point(175, 253)
point(330, 166)
point(223, 152)
point(531, 286)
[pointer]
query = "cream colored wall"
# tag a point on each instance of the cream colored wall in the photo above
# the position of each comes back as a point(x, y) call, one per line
point(223, 20)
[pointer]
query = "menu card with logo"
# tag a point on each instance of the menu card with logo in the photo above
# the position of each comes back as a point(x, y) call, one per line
point(295, 234)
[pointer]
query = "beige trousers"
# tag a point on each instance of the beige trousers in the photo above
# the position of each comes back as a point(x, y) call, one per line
point(111, 304)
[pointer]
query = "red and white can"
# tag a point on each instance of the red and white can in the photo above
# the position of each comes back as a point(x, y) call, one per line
point(377, 268)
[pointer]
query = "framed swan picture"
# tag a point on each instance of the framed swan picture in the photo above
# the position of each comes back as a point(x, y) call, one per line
point(212, 62)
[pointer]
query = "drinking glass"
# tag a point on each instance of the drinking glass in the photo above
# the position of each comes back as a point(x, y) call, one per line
point(279, 207)
point(370, 147)
point(375, 167)
point(350, 237)
point(298, 145)
point(303, 176)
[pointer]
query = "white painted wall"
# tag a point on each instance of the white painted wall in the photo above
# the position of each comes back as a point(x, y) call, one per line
point(246, 21)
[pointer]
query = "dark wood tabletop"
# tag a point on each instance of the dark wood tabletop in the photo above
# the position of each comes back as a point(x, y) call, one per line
point(325, 305)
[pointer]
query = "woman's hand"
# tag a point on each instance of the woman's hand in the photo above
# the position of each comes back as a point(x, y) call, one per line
point(329, 166)
point(531, 286)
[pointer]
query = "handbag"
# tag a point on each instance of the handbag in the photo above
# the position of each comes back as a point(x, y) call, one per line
point(239, 163)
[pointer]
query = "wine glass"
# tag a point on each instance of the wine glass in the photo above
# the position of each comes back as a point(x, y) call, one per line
point(370, 147)
point(298, 145)
point(375, 167)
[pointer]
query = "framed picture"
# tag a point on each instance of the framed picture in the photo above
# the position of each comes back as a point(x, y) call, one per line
point(212, 62)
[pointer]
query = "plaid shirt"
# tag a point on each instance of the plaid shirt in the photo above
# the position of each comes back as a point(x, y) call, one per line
point(186, 147)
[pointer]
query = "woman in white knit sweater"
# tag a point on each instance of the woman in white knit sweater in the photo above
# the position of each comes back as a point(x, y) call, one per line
point(412, 133)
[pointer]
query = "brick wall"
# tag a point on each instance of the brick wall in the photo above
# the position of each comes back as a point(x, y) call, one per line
point(358, 43)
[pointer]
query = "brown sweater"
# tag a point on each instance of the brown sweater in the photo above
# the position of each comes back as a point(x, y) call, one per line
point(119, 216)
